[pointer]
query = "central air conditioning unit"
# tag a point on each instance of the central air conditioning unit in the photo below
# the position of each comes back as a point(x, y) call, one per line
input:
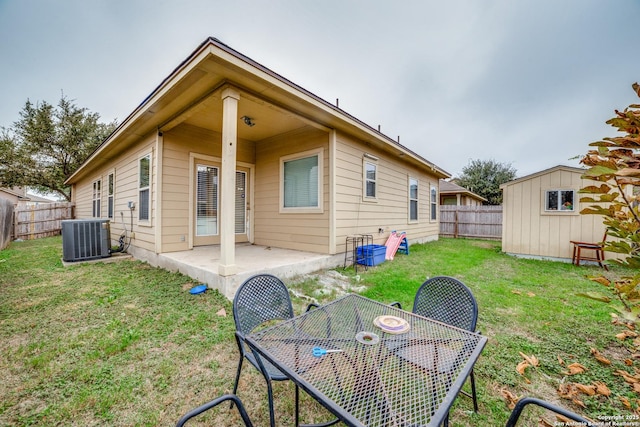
point(84, 239)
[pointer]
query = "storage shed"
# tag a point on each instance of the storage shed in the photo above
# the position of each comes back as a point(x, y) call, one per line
point(541, 214)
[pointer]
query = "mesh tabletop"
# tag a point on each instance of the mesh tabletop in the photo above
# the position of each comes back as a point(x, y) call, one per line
point(378, 378)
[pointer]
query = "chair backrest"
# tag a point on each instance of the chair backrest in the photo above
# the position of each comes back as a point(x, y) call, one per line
point(447, 300)
point(259, 299)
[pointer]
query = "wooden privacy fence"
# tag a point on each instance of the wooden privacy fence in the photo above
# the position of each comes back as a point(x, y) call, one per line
point(484, 222)
point(43, 220)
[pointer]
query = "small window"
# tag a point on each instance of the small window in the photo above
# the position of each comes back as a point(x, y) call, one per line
point(413, 199)
point(301, 182)
point(559, 200)
point(144, 187)
point(110, 190)
point(96, 199)
point(434, 203)
point(370, 179)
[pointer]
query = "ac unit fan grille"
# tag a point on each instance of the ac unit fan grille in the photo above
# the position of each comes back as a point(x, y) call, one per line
point(85, 239)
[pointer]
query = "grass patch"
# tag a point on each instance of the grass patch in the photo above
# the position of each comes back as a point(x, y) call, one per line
point(125, 344)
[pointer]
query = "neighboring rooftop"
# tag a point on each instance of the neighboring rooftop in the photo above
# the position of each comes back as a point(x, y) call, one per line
point(448, 187)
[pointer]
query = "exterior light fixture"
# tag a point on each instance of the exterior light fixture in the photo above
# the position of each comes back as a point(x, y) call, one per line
point(248, 121)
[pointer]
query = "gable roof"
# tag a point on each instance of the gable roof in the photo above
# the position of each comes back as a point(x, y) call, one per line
point(448, 187)
point(19, 192)
point(544, 172)
point(195, 86)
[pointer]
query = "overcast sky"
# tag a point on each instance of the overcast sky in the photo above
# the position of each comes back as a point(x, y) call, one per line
point(525, 82)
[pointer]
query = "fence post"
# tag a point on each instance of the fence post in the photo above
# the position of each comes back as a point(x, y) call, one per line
point(455, 224)
point(15, 224)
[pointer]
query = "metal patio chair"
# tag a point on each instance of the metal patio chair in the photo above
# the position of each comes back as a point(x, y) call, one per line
point(215, 402)
point(522, 403)
point(449, 301)
point(511, 422)
point(262, 299)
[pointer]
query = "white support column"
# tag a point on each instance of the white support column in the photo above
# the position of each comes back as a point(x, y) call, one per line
point(227, 206)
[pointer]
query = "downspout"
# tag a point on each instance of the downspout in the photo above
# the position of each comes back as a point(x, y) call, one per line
point(159, 196)
point(332, 191)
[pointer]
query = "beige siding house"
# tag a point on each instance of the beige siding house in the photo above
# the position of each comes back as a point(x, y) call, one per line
point(541, 214)
point(225, 151)
point(451, 194)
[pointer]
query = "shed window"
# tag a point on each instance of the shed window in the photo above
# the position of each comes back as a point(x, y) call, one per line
point(144, 187)
point(559, 200)
point(413, 199)
point(96, 199)
point(301, 182)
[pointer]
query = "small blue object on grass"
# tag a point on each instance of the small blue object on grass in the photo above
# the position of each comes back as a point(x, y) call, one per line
point(198, 289)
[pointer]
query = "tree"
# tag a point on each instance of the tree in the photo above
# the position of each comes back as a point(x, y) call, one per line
point(615, 163)
point(47, 144)
point(484, 178)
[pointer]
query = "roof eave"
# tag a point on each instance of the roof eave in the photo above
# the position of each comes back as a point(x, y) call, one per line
point(215, 46)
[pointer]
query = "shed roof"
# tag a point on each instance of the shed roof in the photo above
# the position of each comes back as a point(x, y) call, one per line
point(544, 172)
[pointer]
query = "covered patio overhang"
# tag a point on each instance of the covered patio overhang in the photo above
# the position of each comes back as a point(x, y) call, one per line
point(220, 90)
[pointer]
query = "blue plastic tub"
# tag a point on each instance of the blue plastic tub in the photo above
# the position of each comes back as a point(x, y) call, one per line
point(371, 254)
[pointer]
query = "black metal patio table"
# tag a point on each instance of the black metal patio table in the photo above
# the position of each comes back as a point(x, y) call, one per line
point(377, 378)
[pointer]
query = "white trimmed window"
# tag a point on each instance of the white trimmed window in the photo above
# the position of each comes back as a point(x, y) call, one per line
point(413, 199)
point(144, 188)
point(301, 182)
point(370, 178)
point(95, 205)
point(434, 203)
point(560, 200)
point(110, 192)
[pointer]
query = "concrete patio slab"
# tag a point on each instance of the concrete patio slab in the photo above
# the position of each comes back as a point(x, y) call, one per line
point(201, 263)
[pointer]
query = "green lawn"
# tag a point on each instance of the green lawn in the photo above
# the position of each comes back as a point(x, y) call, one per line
point(124, 344)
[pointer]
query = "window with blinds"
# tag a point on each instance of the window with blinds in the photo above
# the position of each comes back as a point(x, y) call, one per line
point(301, 189)
point(110, 193)
point(413, 199)
point(370, 179)
point(95, 206)
point(144, 188)
point(241, 203)
point(434, 203)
